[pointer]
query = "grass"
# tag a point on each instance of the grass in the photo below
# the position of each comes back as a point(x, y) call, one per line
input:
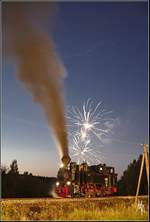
point(114, 208)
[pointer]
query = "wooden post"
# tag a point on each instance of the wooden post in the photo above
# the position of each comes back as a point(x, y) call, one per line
point(146, 161)
point(144, 157)
point(139, 181)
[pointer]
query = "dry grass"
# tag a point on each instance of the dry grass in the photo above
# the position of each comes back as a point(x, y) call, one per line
point(115, 208)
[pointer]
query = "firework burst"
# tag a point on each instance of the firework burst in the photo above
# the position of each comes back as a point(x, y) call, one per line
point(84, 124)
point(82, 151)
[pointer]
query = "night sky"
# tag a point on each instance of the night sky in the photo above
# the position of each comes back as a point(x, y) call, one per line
point(104, 49)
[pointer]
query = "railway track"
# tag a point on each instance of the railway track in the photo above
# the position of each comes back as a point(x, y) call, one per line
point(49, 199)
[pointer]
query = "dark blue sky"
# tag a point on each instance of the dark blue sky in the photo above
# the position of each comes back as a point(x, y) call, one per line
point(104, 49)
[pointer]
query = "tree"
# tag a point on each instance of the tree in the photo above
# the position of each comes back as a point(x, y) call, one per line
point(4, 170)
point(127, 185)
point(14, 167)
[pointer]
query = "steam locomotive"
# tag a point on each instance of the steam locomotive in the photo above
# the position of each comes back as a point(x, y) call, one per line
point(81, 180)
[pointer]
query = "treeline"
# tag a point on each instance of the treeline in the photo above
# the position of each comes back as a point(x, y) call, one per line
point(127, 185)
point(15, 184)
point(24, 185)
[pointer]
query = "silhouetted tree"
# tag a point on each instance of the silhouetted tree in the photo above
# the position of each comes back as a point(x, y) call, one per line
point(24, 185)
point(14, 167)
point(4, 170)
point(127, 185)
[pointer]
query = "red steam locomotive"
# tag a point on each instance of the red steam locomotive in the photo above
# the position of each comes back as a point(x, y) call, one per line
point(81, 180)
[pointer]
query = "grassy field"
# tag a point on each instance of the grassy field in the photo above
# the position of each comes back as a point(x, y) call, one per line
point(112, 208)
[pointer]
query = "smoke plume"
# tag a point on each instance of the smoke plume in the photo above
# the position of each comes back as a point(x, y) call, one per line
point(37, 63)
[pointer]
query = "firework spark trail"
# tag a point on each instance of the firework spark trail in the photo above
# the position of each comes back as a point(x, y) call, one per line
point(83, 152)
point(89, 121)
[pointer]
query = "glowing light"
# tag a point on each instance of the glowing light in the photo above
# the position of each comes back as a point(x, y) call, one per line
point(87, 125)
point(111, 170)
point(57, 183)
point(68, 183)
point(61, 165)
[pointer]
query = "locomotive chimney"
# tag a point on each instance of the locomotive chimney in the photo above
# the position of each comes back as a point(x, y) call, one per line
point(65, 160)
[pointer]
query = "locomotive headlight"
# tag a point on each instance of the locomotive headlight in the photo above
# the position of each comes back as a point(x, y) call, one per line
point(57, 183)
point(68, 183)
point(61, 165)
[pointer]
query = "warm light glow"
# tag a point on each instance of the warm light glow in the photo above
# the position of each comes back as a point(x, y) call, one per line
point(57, 183)
point(111, 170)
point(68, 183)
point(61, 165)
